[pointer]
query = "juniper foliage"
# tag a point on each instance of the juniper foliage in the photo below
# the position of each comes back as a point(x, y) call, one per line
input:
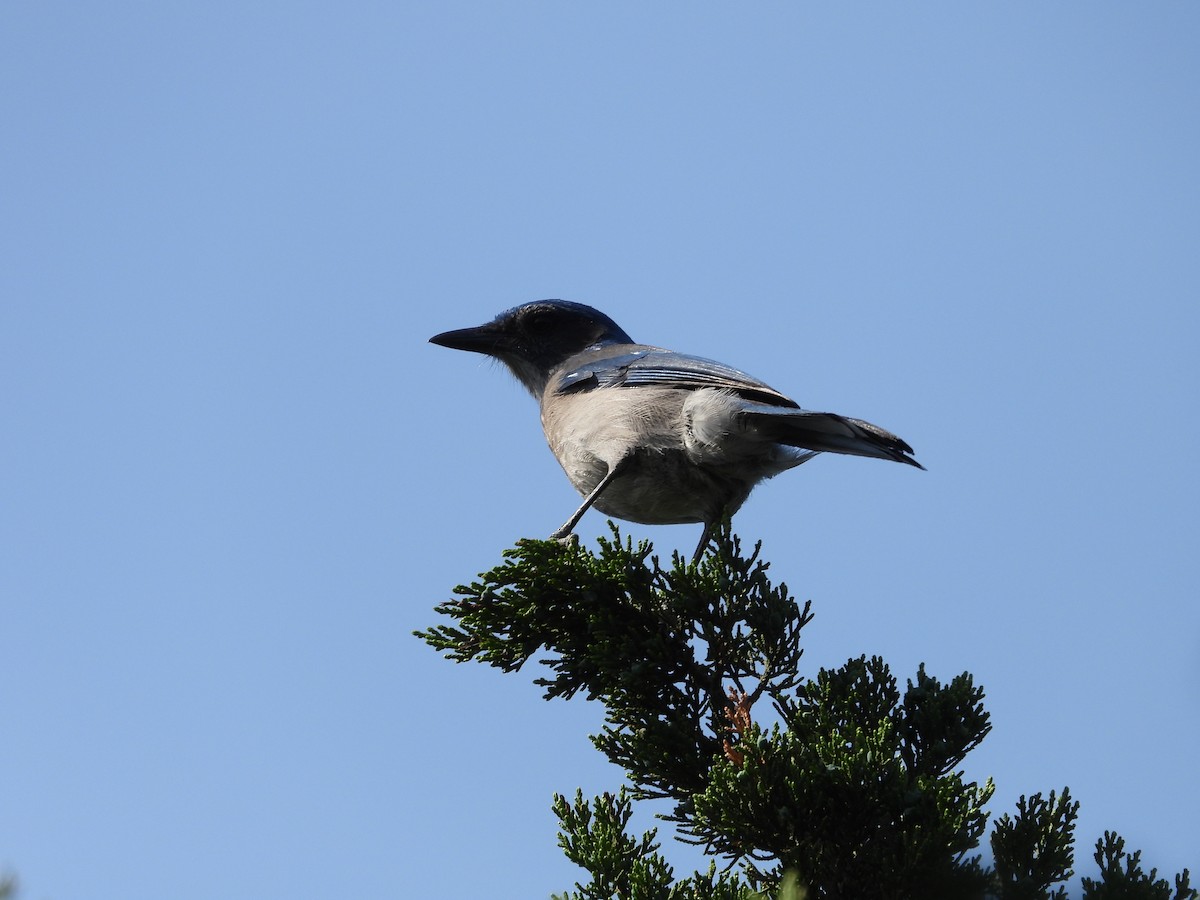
point(1122, 878)
point(836, 786)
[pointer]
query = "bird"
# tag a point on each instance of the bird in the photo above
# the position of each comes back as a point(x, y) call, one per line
point(653, 436)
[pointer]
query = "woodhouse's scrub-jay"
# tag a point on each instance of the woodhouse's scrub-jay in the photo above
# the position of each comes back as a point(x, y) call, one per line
point(651, 435)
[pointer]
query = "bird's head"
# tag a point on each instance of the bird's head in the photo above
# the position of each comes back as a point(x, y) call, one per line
point(534, 339)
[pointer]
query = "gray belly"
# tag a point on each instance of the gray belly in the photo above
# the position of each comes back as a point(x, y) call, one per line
point(685, 456)
point(666, 488)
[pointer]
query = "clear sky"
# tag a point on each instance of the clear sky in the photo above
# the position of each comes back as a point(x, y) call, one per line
point(236, 476)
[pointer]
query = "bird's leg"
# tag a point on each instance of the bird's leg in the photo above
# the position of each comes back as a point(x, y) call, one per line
point(569, 525)
point(705, 537)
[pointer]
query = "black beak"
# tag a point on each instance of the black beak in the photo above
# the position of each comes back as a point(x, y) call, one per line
point(481, 339)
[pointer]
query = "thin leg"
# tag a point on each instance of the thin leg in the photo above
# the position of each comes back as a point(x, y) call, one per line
point(705, 536)
point(591, 498)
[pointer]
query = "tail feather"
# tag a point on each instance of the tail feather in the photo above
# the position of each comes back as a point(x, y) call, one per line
point(828, 433)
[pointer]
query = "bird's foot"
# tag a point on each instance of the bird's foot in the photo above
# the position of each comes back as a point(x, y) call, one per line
point(569, 539)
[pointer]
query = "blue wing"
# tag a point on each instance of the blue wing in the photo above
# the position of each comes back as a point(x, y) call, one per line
point(774, 416)
point(652, 367)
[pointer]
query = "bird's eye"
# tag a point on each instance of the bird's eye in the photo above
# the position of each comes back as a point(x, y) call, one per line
point(541, 322)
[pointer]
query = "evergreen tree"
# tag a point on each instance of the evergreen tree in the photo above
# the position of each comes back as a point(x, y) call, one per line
point(839, 786)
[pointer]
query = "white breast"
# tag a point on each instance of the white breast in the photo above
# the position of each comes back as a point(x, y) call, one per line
point(593, 430)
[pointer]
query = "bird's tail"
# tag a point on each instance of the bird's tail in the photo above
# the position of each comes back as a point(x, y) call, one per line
point(827, 433)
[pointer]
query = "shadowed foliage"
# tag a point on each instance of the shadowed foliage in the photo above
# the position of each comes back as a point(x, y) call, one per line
point(838, 785)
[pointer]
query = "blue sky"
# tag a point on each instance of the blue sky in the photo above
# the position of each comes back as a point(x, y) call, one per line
point(238, 477)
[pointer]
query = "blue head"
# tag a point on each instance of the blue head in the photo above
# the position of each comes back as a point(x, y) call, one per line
point(534, 339)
